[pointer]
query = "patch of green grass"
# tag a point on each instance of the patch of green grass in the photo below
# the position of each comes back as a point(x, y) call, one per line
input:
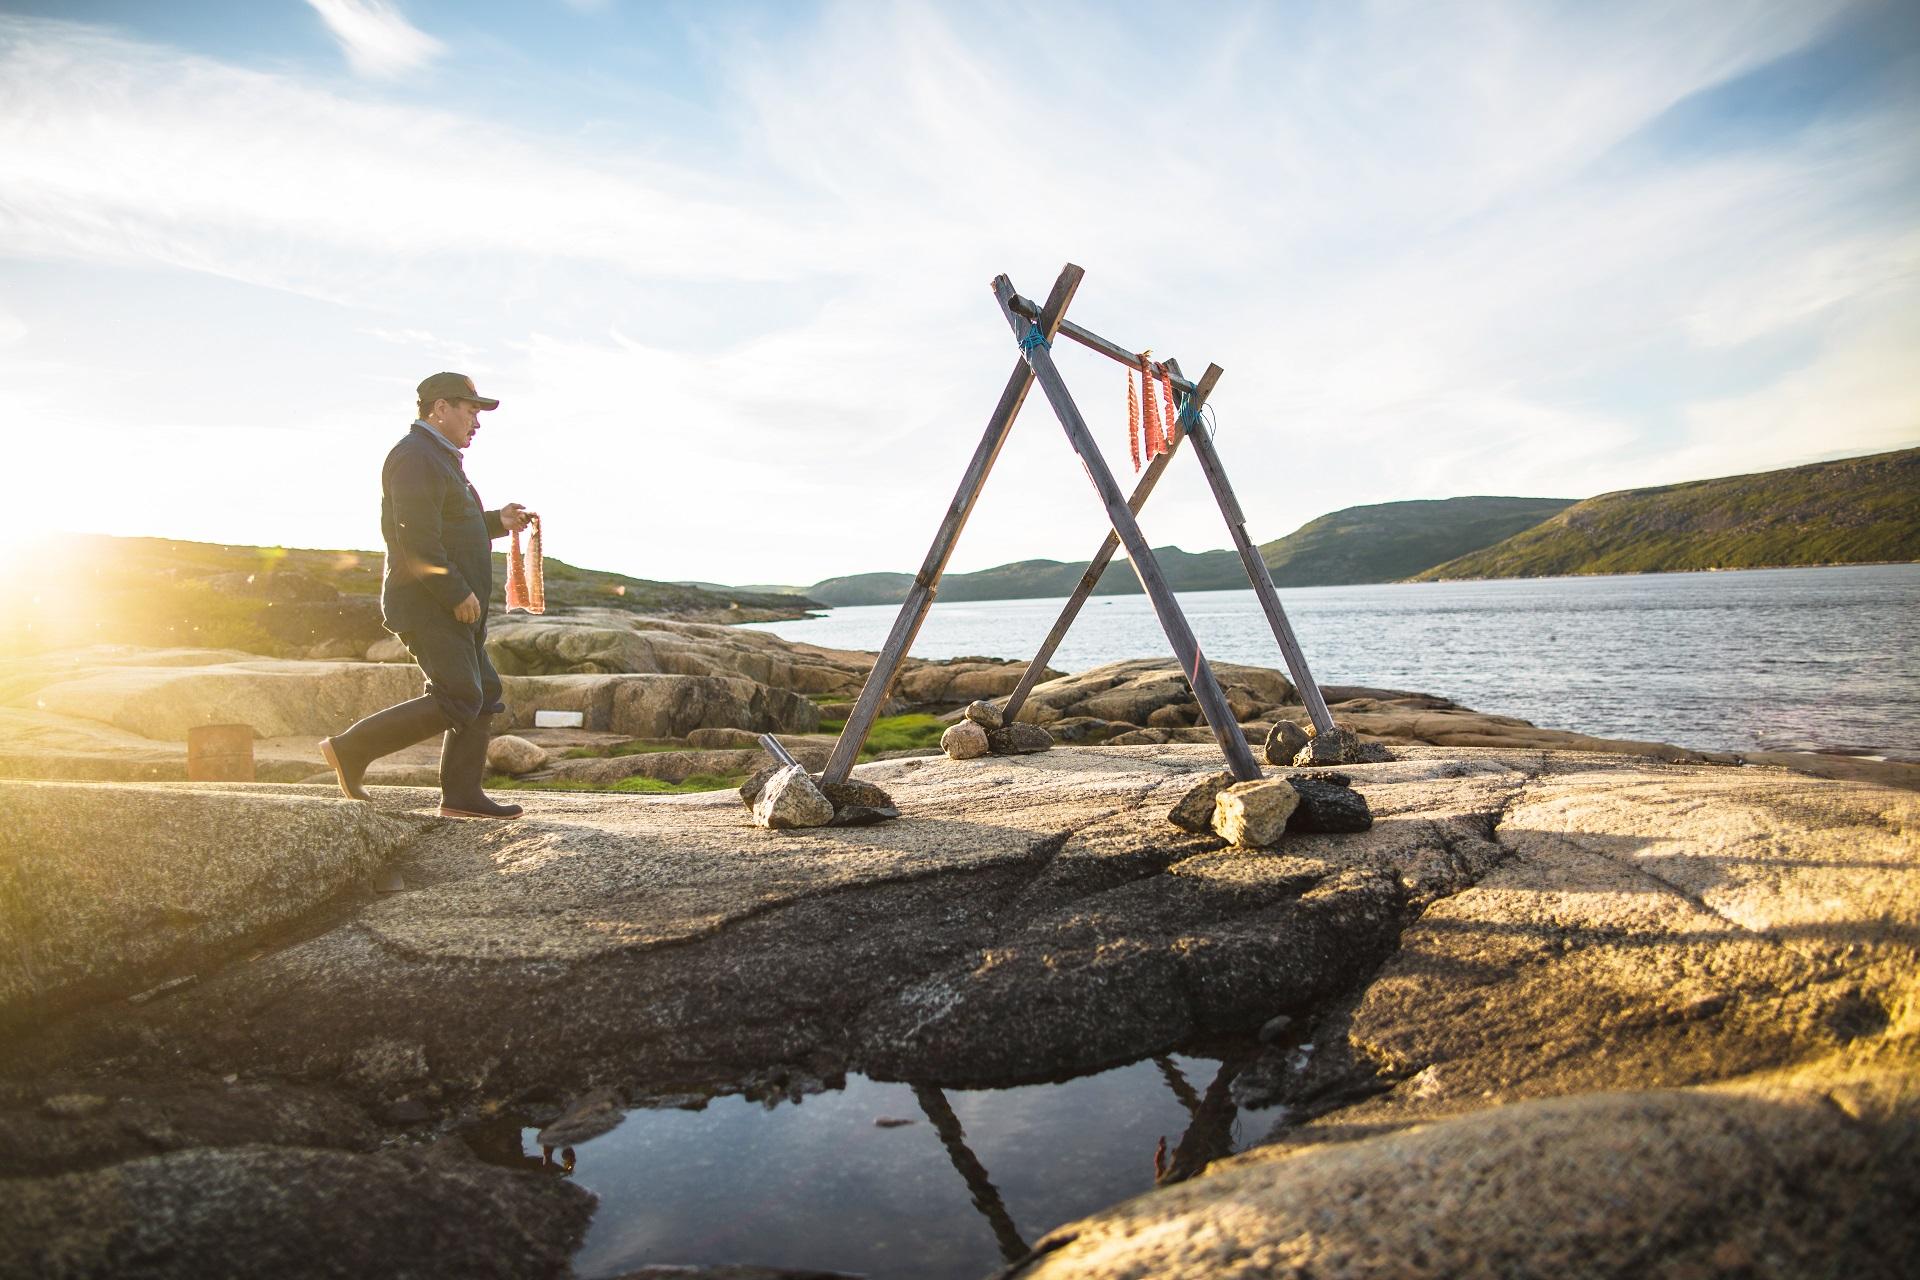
point(905, 733)
point(644, 786)
point(890, 733)
point(895, 733)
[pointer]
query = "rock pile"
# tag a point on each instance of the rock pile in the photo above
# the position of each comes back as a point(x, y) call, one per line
point(983, 731)
point(1306, 747)
point(786, 797)
point(1255, 815)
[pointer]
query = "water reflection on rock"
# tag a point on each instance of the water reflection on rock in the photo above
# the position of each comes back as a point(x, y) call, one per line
point(851, 1180)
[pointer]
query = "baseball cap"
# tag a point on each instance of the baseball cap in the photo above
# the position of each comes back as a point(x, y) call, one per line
point(453, 386)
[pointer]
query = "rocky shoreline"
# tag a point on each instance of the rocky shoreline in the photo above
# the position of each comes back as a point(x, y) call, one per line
point(113, 712)
point(1616, 1012)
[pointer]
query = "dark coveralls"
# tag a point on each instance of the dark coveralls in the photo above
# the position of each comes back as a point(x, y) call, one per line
point(439, 549)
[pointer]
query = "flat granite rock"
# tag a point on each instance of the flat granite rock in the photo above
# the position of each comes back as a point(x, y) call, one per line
point(291, 1212)
point(111, 889)
point(1556, 1004)
point(1760, 1180)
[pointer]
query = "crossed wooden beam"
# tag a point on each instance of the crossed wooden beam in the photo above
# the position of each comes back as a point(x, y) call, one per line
point(1034, 329)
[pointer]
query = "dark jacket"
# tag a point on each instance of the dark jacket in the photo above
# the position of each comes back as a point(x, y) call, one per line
point(439, 537)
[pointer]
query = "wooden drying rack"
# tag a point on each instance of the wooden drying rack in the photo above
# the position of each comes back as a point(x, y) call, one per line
point(1034, 328)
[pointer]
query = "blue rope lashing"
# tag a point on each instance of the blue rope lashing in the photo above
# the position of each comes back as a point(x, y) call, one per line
point(1189, 415)
point(1033, 338)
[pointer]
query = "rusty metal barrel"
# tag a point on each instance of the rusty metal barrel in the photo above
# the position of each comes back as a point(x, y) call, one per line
point(220, 753)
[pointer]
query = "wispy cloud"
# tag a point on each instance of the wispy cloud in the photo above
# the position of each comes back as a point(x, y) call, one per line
point(377, 38)
point(1424, 244)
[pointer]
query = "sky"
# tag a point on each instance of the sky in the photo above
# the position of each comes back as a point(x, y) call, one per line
point(727, 265)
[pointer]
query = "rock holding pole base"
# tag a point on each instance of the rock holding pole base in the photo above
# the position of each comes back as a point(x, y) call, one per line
point(1285, 741)
point(1254, 814)
point(984, 714)
point(1338, 746)
point(1019, 740)
point(1327, 803)
point(1195, 811)
point(790, 799)
point(858, 804)
point(972, 738)
point(848, 804)
point(965, 741)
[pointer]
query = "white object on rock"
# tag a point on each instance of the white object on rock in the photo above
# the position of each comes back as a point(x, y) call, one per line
point(515, 756)
point(559, 719)
point(790, 799)
point(1254, 814)
point(964, 741)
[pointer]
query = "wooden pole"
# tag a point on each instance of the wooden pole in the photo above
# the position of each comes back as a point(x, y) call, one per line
point(913, 610)
point(1083, 591)
point(1193, 663)
point(1261, 577)
point(1094, 342)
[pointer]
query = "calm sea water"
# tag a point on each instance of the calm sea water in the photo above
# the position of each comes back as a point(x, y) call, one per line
point(1773, 659)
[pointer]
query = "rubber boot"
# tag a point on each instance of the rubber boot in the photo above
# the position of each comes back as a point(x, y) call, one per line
point(380, 734)
point(463, 765)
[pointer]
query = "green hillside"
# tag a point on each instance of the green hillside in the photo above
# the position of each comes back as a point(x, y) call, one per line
point(862, 588)
point(358, 573)
point(97, 589)
point(1852, 511)
point(1379, 543)
point(1388, 541)
point(1038, 579)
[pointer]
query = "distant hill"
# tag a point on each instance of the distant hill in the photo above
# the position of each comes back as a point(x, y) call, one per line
point(1389, 541)
point(862, 588)
point(1038, 579)
point(1379, 543)
point(1852, 511)
point(97, 589)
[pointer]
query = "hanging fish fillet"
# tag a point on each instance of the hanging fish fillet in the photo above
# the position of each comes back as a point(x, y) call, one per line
point(526, 573)
point(1173, 414)
point(1149, 410)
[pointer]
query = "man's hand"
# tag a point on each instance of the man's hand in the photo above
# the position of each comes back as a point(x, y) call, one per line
point(516, 517)
point(468, 610)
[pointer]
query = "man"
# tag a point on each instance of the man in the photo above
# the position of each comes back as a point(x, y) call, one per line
point(433, 595)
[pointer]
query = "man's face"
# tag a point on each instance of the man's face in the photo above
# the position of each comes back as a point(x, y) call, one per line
point(458, 420)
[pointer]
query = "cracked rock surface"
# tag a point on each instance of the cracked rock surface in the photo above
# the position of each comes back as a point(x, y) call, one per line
point(1673, 967)
point(1657, 1022)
